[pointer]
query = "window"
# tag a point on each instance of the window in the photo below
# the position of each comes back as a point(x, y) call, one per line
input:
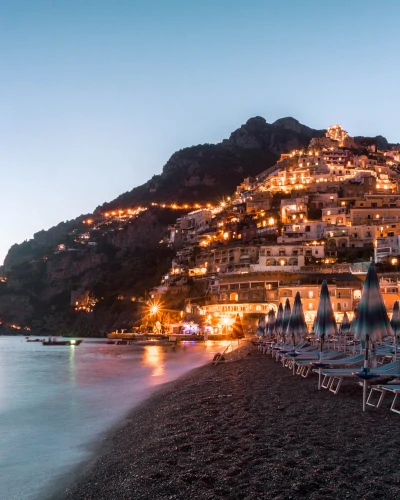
point(310, 306)
point(308, 229)
point(310, 295)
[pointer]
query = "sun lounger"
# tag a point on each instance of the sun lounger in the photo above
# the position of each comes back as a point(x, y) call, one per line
point(304, 366)
point(337, 375)
point(383, 390)
point(311, 357)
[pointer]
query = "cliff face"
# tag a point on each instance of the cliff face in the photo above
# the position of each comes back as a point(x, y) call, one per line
point(283, 135)
point(125, 260)
point(208, 171)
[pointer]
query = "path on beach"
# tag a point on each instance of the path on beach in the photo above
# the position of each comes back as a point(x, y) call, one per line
point(249, 429)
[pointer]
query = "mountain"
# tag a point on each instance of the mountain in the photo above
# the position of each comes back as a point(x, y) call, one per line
point(125, 256)
point(210, 171)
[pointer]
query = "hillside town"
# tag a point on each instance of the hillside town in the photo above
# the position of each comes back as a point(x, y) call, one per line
point(324, 212)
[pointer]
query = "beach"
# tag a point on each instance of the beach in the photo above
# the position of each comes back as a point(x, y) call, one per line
point(246, 429)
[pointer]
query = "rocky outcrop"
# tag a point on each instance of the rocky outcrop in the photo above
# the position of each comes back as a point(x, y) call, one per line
point(279, 137)
point(379, 141)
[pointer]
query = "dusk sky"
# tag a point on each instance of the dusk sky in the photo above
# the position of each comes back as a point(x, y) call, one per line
point(97, 95)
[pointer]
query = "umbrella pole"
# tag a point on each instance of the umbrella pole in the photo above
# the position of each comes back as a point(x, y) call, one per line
point(364, 395)
point(320, 358)
point(294, 358)
point(395, 347)
point(365, 370)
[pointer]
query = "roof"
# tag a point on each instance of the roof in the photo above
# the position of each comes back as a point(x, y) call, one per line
point(331, 278)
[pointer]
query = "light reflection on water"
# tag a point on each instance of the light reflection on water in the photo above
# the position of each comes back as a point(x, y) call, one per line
point(154, 356)
point(55, 401)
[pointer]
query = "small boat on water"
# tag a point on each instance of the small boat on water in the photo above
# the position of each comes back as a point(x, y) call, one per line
point(35, 340)
point(61, 341)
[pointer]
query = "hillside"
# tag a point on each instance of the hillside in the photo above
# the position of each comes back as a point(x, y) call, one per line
point(120, 253)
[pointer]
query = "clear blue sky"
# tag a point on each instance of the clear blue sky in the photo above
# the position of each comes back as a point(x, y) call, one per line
point(96, 95)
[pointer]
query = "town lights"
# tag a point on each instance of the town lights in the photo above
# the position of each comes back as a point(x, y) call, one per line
point(394, 261)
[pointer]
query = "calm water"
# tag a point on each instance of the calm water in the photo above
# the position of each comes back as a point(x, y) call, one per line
point(56, 401)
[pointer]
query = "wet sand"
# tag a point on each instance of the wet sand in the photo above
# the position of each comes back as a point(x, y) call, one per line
point(248, 429)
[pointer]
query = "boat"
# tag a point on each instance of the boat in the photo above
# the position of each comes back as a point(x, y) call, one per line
point(35, 340)
point(54, 341)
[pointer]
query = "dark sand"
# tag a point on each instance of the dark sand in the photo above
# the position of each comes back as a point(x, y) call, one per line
point(248, 429)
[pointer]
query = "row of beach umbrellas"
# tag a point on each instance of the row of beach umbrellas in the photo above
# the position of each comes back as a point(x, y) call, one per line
point(370, 324)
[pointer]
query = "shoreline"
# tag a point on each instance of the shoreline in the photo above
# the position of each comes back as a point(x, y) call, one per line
point(245, 429)
point(63, 482)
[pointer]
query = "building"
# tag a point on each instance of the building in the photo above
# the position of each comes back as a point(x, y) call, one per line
point(259, 292)
point(286, 258)
point(304, 231)
point(233, 258)
point(335, 215)
point(386, 248)
point(294, 210)
point(259, 201)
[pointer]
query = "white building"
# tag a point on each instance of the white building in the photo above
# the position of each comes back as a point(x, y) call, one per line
point(335, 215)
point(303, 231)
point(197, 220)
point(286, 258)
point(385, 247)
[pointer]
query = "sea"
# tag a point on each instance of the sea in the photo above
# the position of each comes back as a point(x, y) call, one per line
point(58, 402)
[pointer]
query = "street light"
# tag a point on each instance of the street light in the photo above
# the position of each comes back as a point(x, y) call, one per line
point(154, 309)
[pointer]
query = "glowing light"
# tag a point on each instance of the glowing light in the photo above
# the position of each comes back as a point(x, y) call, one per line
point(394, 261)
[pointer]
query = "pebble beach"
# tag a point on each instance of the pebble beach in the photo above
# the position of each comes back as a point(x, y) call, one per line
point(247, 429)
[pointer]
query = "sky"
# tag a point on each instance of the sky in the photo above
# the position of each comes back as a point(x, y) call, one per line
point(97, 95)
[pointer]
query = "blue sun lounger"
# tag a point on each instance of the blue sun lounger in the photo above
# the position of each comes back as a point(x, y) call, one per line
point(332, 375)
point(304, 367)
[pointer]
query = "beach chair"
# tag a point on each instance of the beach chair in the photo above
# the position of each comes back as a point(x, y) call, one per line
point(383, 390)
point(337, 375)
point(283, 353)
point(312, 357)
point(305, 366)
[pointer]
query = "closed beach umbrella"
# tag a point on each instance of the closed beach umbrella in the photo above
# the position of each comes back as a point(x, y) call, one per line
point(325, 323)
point(237, 328)
point(261, 326)
point(297, 327)
point(353, 322)
point(271, 322)
point(345, 325)
point(395, 324)
point(285, 319)
point(344, 328)
point(372, 322)
point(279, 318)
